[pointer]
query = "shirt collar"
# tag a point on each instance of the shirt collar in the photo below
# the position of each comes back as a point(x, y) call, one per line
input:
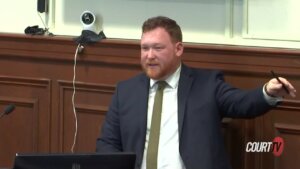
point(172, 80)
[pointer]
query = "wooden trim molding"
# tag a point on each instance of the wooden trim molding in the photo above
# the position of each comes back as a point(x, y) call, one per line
point(126, 52)
point(40, 69)
point(287, 128)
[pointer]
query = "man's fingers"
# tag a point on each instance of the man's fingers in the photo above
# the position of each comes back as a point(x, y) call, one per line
point(288, 86)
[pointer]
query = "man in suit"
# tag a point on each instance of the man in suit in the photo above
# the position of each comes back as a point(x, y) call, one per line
point(193, 103)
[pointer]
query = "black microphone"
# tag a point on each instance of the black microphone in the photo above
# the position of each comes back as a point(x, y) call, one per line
point(7, 110)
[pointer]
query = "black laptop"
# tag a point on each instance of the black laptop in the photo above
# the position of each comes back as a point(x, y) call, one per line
point(75, 161)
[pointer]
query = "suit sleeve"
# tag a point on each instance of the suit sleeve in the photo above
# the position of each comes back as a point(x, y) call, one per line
point(110, 137)
point(234, 102)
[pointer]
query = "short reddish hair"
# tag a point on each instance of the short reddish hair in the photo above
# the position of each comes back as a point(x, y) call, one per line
point(168, 24)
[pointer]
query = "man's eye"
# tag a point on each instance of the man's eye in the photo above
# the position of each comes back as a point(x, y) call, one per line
point(158, 48)
point(145, 48)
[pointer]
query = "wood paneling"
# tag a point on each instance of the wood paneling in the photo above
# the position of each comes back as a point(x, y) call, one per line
point(91, 104)
point(291, 155)
point(28, 128)
point(36, 74)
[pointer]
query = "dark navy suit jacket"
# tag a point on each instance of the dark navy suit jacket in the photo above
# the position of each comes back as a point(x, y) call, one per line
point(203, 99)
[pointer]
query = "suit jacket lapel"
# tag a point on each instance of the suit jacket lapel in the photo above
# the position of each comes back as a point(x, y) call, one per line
point(142, 103)
point(185, 83)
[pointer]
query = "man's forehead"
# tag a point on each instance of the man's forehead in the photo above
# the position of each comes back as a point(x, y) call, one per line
point(151, 44)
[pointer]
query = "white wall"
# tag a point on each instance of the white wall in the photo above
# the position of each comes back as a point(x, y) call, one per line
point(123, 18)
point(274, 19)
point(240, 22)
point(16, 15)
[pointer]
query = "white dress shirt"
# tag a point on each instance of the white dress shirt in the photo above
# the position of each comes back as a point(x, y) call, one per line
point(168, 149)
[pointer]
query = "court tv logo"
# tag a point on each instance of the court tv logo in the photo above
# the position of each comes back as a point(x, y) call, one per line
point(276, 147)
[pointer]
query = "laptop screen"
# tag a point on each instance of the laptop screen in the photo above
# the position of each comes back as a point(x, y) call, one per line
point(75, 161)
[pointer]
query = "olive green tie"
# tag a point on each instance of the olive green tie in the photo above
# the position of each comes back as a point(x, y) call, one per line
point(155, 127)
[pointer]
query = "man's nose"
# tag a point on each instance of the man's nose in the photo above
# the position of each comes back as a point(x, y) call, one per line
point(151, 54)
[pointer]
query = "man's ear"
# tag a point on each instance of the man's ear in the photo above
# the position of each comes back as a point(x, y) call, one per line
point(179, 48)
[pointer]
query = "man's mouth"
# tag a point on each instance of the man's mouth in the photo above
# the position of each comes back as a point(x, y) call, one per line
point(151, 65)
